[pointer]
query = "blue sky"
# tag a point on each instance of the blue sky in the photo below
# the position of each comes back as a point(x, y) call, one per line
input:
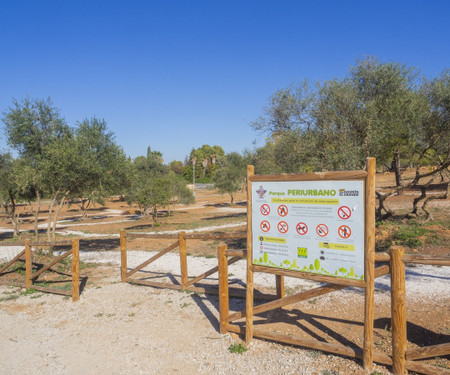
point(179, 74)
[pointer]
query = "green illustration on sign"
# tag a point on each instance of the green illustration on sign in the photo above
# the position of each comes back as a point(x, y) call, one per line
point(314, 267)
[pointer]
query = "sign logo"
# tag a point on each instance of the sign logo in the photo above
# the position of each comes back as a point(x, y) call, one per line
point(344, 231)
point(265, 226)
point(348, 193)
point(265, 209)
point(344, 212)
point(322, 230)
point(261, 192)
point(283, 227)
point(282, 210)
point(301, 228)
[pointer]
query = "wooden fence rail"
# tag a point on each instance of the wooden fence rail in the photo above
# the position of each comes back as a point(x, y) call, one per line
point(27, 256)
point(183, 282)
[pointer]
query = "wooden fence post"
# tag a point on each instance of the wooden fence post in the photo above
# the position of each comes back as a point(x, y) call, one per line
point(369, 264)
point(224, 299)
point(249, 288)
point(279, 280)
point(123, 255)
point(75, 270)
point(183, 260)
point(398, 310)
point(28, 265)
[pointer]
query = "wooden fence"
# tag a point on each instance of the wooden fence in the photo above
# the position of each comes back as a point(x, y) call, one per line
point(183, 281)
point(226, 319)
point(27, 256)
point(400, 360)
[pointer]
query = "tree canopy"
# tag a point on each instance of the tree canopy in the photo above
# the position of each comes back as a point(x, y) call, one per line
point(383, 110)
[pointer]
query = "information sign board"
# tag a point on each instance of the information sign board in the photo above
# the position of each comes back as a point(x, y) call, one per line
point(309, 226)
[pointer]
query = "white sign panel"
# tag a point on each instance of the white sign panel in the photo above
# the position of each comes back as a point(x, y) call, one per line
point(309, 226)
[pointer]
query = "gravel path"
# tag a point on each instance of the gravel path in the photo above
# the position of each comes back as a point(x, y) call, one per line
point(124, 329)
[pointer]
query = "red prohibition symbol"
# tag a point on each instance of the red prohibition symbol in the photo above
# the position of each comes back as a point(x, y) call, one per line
point(322, 230)
point(265, 209)
point(282, 210)
point(344, 212)
point(265, 226)
point(301, 228)
point(282, 227)
point(344, 231)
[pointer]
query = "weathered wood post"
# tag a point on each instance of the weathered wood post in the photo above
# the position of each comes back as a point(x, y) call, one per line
point(398, 310)
point(123, 255)
point(183, 260)
point(249, 289)
point(224, 299)
point(279, 280)
point(28, 265)
point(75, 270)
point(369, 264)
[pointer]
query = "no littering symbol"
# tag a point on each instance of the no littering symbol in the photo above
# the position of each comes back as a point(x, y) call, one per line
point(265, 209)
point(302, 229)
point(322, 230)
point(265, 226)
point(344, 212)
point(344, 231)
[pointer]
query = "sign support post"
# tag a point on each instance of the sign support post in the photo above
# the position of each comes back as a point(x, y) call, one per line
point(369, 264)
point(249, 289)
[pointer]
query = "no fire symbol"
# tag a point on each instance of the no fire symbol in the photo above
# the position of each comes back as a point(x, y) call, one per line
point(302, 229)
point(282, 210)
point(265, 209)
point(282, 227)
point(265, 226)
point(344, 231)
point(322, 230)
point(344, 212)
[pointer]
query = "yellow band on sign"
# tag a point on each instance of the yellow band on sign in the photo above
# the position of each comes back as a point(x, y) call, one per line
point(320, 201)
point(336, 246)
point(273, 239)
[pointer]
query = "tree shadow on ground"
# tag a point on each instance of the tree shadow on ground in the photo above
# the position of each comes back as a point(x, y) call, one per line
point(140, 227)
point(227, 204)
point(100, 244)
point(416, 334)
point(229, 216)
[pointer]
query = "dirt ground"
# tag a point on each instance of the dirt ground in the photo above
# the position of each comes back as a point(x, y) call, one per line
point(334, 318)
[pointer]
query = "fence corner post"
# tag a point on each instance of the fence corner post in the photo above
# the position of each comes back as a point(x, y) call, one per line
point(224, 298)
point(75, 270)
point(123, 255)
point(398, 310)
point(28, 265)
point(183, 260)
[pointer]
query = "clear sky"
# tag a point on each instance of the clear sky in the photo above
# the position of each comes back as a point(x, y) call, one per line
point(175, 75)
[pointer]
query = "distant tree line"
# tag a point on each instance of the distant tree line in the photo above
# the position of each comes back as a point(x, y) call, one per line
point(382, 110)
